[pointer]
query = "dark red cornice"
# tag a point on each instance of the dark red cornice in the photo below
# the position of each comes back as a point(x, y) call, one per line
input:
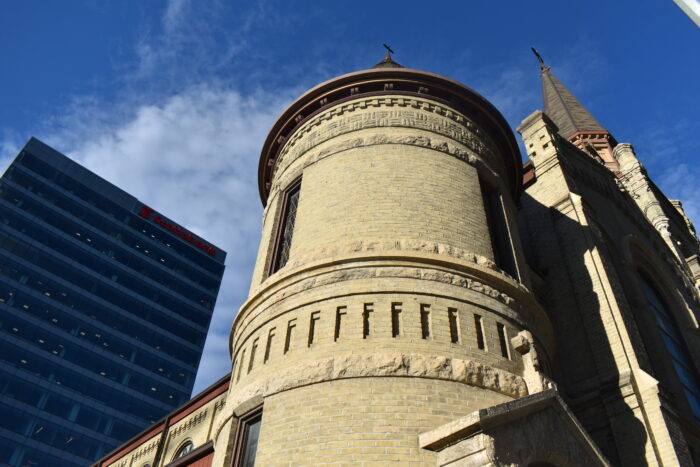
point(394, 81)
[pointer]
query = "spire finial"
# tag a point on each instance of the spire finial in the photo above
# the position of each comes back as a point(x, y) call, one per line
point(388, 52)
point(543, 67)
point(388, 62)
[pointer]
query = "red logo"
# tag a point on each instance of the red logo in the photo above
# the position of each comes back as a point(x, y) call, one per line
point(146, 212)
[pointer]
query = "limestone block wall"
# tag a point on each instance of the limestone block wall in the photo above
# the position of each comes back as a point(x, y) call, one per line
point(362, 420)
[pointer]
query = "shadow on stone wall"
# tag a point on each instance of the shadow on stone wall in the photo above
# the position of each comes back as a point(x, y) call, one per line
point(584, 366)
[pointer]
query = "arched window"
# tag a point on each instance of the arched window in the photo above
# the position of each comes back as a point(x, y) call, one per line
point(501, 243)
point(285, 228)
point(675, 345)
point(183, 450)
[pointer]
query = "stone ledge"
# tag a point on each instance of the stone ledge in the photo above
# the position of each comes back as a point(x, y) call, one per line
point(383, 365)
point(535, 428)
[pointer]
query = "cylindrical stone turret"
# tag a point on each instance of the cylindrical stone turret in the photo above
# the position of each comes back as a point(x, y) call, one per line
point(390, 277)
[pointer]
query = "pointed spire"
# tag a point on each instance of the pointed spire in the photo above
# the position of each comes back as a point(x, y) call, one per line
point(572, 119)
point(388, 62)
point(562, 107)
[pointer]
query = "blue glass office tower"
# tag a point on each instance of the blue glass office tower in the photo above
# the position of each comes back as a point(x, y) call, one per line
point(104, 309)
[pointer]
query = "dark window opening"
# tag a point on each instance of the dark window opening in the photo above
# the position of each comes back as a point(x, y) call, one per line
point(247, 436)
point(339, 314)
point(425, 320)
point(365, 319)
point(498, 229)
point(270, 337)
point(676, 347)
point(478, 326)
point(503, 340)
point(288, 338)
point(315, 316)
point(395, 319)
point(286, 227)
point(454, 329)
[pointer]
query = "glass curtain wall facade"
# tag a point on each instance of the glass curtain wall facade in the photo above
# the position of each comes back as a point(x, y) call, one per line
point(104, 309)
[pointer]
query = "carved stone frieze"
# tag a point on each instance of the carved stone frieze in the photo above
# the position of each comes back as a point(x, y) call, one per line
point(365, 272)
point(400, 244)
point(457, 135)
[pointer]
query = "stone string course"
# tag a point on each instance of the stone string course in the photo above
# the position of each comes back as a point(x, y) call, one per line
point(386, 364)
point(385, 247)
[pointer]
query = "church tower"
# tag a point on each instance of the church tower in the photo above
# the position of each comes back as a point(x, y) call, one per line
point(390, 278)
point(614, 263)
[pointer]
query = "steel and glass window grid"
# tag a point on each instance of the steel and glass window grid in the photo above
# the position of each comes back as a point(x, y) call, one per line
point(104, 309)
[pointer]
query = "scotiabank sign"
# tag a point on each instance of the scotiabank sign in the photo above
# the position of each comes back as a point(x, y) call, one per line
point(147, 212)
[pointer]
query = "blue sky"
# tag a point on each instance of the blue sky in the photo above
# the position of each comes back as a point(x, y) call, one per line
point(171, 100)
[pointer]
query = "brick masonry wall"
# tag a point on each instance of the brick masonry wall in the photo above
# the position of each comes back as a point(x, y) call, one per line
point(369, 421)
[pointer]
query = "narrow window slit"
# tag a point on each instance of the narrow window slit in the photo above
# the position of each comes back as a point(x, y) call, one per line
point(315, 316)
point(454, 325)
point(366, 319)
point(240, 366)
point(340, 312)
point(425, 320)
point(478, 325)
point(252, 355)
point(270, 337)
point(395, 319)
point(288, 338)
point(503, 339)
